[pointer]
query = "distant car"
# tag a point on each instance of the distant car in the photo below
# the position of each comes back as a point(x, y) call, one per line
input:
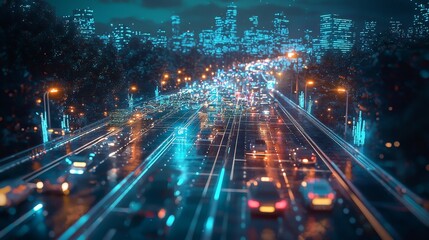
point(264, 197)
point(56, 185)
point(79, 164)
point(258, 147)
point(206, 134)
point(303, 156)
point(317, 194)
point(13, 192)
point(154, 213)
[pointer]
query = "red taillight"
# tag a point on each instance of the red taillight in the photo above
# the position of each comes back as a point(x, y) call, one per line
point(281, 204)
point(149, 214)
point(331, 196)
point(253, 204)
point(311, 195)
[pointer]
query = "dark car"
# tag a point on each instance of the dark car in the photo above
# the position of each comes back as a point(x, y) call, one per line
point(206, 134)
point(303, 157)
point(154, 213)
point(56, 185)
point(264, 197)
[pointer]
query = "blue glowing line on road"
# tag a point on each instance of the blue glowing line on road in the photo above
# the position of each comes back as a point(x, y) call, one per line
point(170, 220)
point(37, 207)
point(219, 184)
point(209, 223)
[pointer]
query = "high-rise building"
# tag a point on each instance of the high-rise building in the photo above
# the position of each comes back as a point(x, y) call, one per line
point(121, 36)
point(336, 33)
point(188, 41)
point(396, 28)
point(161, 39)
point(420, 26)
point(230, 28)
point(280, 31)
point(368, 35)
point(84, 20)
point(218, 37)
point(175, 33)
point(206, 42)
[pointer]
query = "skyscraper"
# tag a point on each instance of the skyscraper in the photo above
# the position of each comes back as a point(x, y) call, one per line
point(368, 35)
point(421, 20)
point(280, 31)
point(218, 37)
point(206, 42)
point(188, 41)
point(396, 28)
point(336, 33)
point(230, 28)
point(175, 33)
point(84, 20)
point(121, 36)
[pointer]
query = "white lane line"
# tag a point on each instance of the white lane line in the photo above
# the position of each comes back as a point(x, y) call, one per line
point(234, 190)
point(231, 176)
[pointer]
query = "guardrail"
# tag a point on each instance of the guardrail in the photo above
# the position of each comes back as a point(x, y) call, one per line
point(413, 202)
point(26, 155)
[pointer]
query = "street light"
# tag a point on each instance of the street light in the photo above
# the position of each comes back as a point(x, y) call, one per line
point(342, 90)
point(46, 104)
point(305, 92)
point(292, 55)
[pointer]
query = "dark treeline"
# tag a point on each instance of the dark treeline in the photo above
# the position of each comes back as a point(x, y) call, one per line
point(39, 51)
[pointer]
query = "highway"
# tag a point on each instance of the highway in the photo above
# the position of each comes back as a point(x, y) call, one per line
point(168, 178)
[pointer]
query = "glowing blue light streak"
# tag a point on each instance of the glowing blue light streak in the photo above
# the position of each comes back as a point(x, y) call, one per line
point(359, 131)
point(310, 105)
point(76, 171)
point(219, 184)
point(170, 220)
point(37, 207)
point(209, 224)
point(301, 99)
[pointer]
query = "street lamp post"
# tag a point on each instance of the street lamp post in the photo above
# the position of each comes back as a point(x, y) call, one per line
point(292, 55)
point(305, 92)
point(46, 104)
point(347, 109)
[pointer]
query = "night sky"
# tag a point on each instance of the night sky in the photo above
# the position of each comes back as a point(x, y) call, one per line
point(149, 15)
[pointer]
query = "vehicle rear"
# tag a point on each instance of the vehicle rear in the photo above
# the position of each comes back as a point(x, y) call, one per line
point(264, 198)
point(318, 194)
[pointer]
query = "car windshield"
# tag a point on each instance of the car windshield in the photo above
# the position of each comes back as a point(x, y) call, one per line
point(265, 191)
point(259, 142)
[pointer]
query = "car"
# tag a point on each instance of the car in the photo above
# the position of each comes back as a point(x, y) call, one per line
point(206, 134)
point(303, 156)
point(158, 202)
point(258, 147)
point(79, 163)
point(264, 197)
point(57, 185)
point(317, 194)
point(13, 192)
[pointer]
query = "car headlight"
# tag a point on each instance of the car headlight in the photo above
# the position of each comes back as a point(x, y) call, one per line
point(65, 187)
point(3, 200)
point(39, 185)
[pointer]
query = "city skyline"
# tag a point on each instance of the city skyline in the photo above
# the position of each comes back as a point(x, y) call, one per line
point(197, 15)
point(335, 33)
